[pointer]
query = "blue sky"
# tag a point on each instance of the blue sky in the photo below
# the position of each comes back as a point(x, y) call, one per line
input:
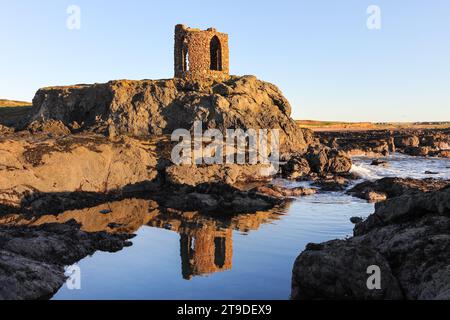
point(319, 53)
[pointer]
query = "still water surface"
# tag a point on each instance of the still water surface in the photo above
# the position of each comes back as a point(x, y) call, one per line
point(246, 257)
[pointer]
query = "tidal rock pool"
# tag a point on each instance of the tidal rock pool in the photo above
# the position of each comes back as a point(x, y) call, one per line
point(194, 256)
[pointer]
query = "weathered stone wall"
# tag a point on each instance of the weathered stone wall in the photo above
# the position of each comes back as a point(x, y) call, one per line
point(193, 54)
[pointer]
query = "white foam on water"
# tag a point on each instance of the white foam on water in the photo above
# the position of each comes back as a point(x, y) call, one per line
point(365, 173)
point(402, 166)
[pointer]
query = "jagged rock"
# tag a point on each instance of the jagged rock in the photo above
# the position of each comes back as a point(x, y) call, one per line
point(337, 270)
point(335, 183)
point(384, 188)
point(282, 192)
point(408, 237)
point(442, 153)
point(156, 107)
point(52, 127)
point(407, 141)
point(417, 151)
point(338, 162)
point(415, 142)
point(323, 159)
point(5, 129)
point(317, 157)
point(193, 175)
point(296, 167)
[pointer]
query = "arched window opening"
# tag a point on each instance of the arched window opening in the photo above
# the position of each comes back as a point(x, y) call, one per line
point(216, 54)
point(185, 59)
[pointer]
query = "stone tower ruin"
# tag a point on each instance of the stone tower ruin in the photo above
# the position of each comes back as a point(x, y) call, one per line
point(201, 54)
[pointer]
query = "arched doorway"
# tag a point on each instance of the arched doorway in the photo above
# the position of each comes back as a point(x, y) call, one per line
point(216, 54)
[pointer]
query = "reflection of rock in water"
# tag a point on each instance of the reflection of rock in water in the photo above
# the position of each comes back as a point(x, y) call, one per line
point(206, 243)
point(125, 216)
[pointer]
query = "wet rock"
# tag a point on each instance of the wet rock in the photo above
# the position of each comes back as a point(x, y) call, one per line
point(356, 220)
point(417, 151)
point(337, 270)
point(431, 172)
point(384, 188)
point(334, 183)
point(373, 196)
point(441, 153)
point(437, 141)
point(32, 259)
point(297, 167)
point(408, 238)
point(322, 159)
point(338, 162)
point(378, 162)
point(282, 192)
point(367, 143)
point(317, 157)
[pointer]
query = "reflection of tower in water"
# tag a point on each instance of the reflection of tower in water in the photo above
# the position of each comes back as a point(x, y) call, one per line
point(206, 243)
point(206, 250)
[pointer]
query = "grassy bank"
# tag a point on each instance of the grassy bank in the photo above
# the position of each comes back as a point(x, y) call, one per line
point(360, 126)
point(11, 112)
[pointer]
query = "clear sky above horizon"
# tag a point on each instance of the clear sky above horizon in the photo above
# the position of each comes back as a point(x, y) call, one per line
point(319, 53)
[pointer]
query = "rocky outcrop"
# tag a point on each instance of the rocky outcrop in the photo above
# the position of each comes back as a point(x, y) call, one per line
point(86, 163)
point(280, 192)
point(415, 142)
point(32, 259)
point(231, 174)
point(332, 183)
point(382, 189)
point(5, 130)
point(51, 127)
point(157, 107)
point(318, 160)
point(408, 238)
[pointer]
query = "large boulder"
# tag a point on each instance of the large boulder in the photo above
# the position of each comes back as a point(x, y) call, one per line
point(155, 107)
point(408, 238)
point(323, 159)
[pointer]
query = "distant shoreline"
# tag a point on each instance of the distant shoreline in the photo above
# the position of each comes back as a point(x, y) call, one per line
point(319, 126)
